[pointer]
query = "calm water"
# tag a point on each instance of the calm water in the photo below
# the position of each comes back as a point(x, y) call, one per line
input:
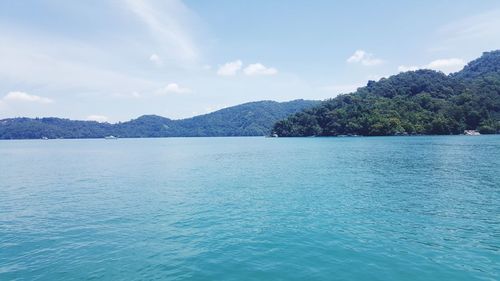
point(389, 208)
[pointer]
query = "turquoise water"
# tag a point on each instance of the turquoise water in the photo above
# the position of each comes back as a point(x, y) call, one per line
point(388, 208)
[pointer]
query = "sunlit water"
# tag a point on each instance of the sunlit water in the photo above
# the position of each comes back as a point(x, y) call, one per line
point(388, 208)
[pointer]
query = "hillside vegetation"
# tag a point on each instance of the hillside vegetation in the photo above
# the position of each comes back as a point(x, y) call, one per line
point(414, 102)
point(249, 119)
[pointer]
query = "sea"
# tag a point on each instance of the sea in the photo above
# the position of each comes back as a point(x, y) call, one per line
point(251, 208)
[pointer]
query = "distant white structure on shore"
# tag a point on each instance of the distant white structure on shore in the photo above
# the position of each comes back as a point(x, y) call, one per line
point(471, 133)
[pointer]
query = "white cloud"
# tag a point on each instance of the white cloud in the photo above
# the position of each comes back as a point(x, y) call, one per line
point(25, 97)
point(230, 68)
point(444, 65)
point(259, 69)
point(404, 68)
point(154, 58)
point(98, 118)
point(447, 65)
point(175, 88)
point(365, 58)
point(168, 22)
point(357, 56)
point(233, 67)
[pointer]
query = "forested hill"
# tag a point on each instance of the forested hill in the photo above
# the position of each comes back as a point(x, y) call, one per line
point(249, 119)
point(414, 102)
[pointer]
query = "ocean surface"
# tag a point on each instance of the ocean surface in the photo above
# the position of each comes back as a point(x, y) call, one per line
point(378, 208)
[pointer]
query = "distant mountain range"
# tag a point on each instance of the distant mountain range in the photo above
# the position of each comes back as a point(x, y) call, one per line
point(413, 102)
point(249, 119)
point(409, 103)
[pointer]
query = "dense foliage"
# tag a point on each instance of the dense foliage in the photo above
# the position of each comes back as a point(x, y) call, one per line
point(249, 119)
point(414, 102)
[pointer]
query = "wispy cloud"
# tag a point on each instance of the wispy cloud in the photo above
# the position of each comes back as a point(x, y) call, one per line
point(478, 27)
point(444, 65)
point(230, 68)
point(17, 96)
point(98, 118)
point(365, 58)
point(29, 59)
point(168, 23)
point(259, 69)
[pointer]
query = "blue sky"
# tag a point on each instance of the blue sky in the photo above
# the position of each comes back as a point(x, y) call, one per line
point(116, 60)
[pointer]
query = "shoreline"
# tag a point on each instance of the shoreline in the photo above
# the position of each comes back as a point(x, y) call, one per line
point(299, 137)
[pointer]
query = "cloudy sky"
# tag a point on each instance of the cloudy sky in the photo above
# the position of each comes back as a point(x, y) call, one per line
point(117, 60)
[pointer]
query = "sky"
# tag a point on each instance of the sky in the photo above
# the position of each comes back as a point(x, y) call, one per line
point(111, 61)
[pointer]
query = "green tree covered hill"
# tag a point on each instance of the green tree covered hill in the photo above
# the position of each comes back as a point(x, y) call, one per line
point(414, 102)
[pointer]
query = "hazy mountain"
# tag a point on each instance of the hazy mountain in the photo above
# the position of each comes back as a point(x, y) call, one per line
point(249, 119)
